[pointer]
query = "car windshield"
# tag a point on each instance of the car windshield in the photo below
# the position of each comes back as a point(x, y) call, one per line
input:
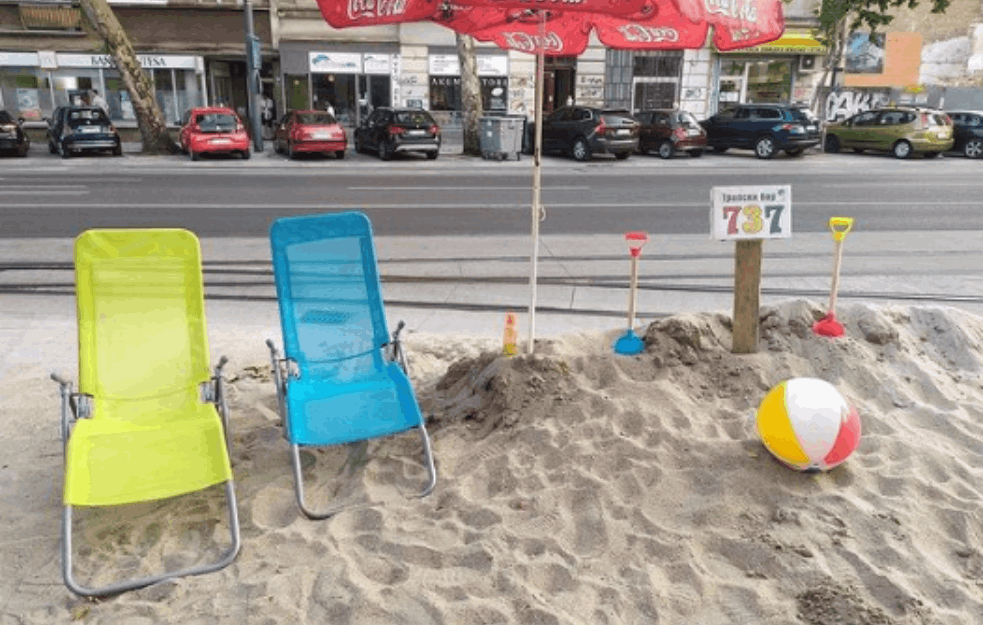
point(321, 119)
point(5, 117)
point(94, 115)
point(805, 115)
point(215, 122)
point(686, 119)
point(413, 117)
point(940, 119)
point(614, 116)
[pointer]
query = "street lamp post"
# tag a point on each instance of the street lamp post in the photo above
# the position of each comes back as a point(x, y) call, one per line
point(253, 64)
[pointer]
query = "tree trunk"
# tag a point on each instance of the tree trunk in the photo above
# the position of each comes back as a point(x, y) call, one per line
point(153, 128)
point(470, 95)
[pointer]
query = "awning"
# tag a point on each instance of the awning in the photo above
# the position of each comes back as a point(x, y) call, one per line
point(792, 42)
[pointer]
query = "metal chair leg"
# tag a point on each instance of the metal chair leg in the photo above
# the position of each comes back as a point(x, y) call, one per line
point(227, 558)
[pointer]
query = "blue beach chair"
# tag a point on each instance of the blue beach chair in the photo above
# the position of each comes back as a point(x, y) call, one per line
point(342, 378)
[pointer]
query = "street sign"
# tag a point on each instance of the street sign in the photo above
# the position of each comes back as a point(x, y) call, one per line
point(255, 51)
point(758, 212)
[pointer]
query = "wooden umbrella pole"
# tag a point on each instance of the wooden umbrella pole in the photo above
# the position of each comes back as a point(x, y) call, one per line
point(536, 181)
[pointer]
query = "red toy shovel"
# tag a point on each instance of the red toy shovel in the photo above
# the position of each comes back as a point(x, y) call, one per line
point(828, 325)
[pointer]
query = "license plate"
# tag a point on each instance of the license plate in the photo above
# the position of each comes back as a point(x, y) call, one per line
point(322, 135)
point(221, 141)
point(693, 132)
point(91, 129)
point(416, 133)
point(811, 128)
point(623, 131)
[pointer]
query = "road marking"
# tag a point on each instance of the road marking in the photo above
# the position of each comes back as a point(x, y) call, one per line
point(459, 205)
point(465, 188)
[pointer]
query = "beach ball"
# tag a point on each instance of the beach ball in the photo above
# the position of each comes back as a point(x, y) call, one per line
point(807, 425)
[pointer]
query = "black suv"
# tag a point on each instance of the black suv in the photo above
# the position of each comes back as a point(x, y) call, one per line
point(391, 130)
point(73, 129)
point(764, 128)
point(12, 135)
point(582, 131)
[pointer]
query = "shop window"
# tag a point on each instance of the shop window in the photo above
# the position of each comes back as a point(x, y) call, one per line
point(642, 80)
point(164, 92)
point(445, 93)
point(117, 97)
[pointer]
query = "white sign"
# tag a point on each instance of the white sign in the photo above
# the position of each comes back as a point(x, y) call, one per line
point(23, 59)
point(47, 59)
point(760, 212)
point(147, 61)
point(335, 62)
point(376, 63)
point(488, 65)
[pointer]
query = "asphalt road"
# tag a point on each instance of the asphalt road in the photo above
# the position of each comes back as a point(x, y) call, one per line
point(43, 196)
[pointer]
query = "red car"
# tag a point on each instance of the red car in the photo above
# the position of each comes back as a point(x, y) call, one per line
point(671, 132)
point(213, 130)
point(310, 131)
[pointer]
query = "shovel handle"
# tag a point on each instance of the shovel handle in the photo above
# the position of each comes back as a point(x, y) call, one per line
point(840, 226)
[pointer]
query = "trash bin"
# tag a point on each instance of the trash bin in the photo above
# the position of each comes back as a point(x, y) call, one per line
point(501, 136)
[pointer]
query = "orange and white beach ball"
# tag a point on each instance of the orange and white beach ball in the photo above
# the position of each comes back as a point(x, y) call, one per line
point(807, 425)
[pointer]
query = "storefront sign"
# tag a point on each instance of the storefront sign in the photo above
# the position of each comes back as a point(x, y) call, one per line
point(376, 63)
point(147, 61)
point(792, 42)
point(47, 59)
point(335, 62)
point(759, 212)
point(488, 65)
point(22, 59)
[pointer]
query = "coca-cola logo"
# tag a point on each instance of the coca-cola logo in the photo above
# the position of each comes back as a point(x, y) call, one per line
point(361, 9)
point(524, 42)
point(746, 10)
point(638, 33)
point(528, 16)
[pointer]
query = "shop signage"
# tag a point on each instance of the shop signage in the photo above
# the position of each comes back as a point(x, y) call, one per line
point(335, 62)
point(488, 65)
point(376, 63)
point(147, 61)
point(792, 42)
point(23, 59)
point(47, 59)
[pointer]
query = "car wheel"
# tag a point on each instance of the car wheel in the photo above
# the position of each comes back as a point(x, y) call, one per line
point(194, 155)
point(52, 149)
point(340, 154)
point(245, 154)
point(696, 153)
point(622, 155)
point(386, 151)
point(291, 153)
point(795, 152)
point(832, 144)
point(901, 149)
point(973, 148)
point(432, 155)
point(24, 149)
point(118, 150)
point(719, 149)
point(666, 150)
point(359, 148)
point(764, 147)
point(580, 150)
point(63, 151)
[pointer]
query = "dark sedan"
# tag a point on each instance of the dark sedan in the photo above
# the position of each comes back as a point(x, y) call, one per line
point(583, 131)
point(968, 130)
point(389, 131)
point(12, 135)
point(76, 129)
point(670, 132)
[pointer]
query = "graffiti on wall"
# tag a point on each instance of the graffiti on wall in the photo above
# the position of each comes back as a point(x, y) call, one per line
point(849, 102)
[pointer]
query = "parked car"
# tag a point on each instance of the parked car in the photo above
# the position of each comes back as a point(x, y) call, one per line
point(213, 130)
point(391, 130)
point(76, 129)
point(967, 128)
point(902, 131)
point(12, 135)
point(582, 131)
point(765, 128)
point(309, 132)
point(669, 132)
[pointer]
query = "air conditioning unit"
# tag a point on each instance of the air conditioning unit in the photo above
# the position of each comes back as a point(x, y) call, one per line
point(807, 63)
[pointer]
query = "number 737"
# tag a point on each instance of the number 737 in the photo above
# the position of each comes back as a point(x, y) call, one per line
point(753, 221)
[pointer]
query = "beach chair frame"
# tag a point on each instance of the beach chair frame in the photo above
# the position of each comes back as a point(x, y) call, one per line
point(285, 367)
point(76, 406)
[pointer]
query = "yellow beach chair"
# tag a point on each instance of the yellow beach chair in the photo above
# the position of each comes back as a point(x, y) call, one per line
point(145, 423)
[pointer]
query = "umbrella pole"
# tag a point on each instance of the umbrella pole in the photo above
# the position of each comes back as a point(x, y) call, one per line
point(536, 180)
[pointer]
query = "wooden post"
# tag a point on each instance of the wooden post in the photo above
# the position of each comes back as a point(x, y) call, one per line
point(747, 295)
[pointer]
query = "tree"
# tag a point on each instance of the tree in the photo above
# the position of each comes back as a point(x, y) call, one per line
point(838, 17)
point(471, 104)
point(153, 128)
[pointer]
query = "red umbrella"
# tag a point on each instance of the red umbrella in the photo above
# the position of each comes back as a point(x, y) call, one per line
point(563, 28)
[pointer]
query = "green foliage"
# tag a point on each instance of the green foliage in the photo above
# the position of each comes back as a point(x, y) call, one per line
point(870, 14)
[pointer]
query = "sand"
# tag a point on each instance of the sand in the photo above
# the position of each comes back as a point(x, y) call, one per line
point(576, 487)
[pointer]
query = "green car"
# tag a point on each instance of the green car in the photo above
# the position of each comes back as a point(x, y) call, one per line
point(902, 131)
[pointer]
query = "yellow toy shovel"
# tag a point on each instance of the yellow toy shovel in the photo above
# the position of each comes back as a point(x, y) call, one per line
point(828, 325)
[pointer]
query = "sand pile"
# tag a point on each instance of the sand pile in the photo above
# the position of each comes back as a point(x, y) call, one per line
point(576, 487)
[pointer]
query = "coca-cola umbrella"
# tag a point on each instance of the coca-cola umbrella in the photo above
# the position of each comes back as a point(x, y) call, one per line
point(563, 28)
